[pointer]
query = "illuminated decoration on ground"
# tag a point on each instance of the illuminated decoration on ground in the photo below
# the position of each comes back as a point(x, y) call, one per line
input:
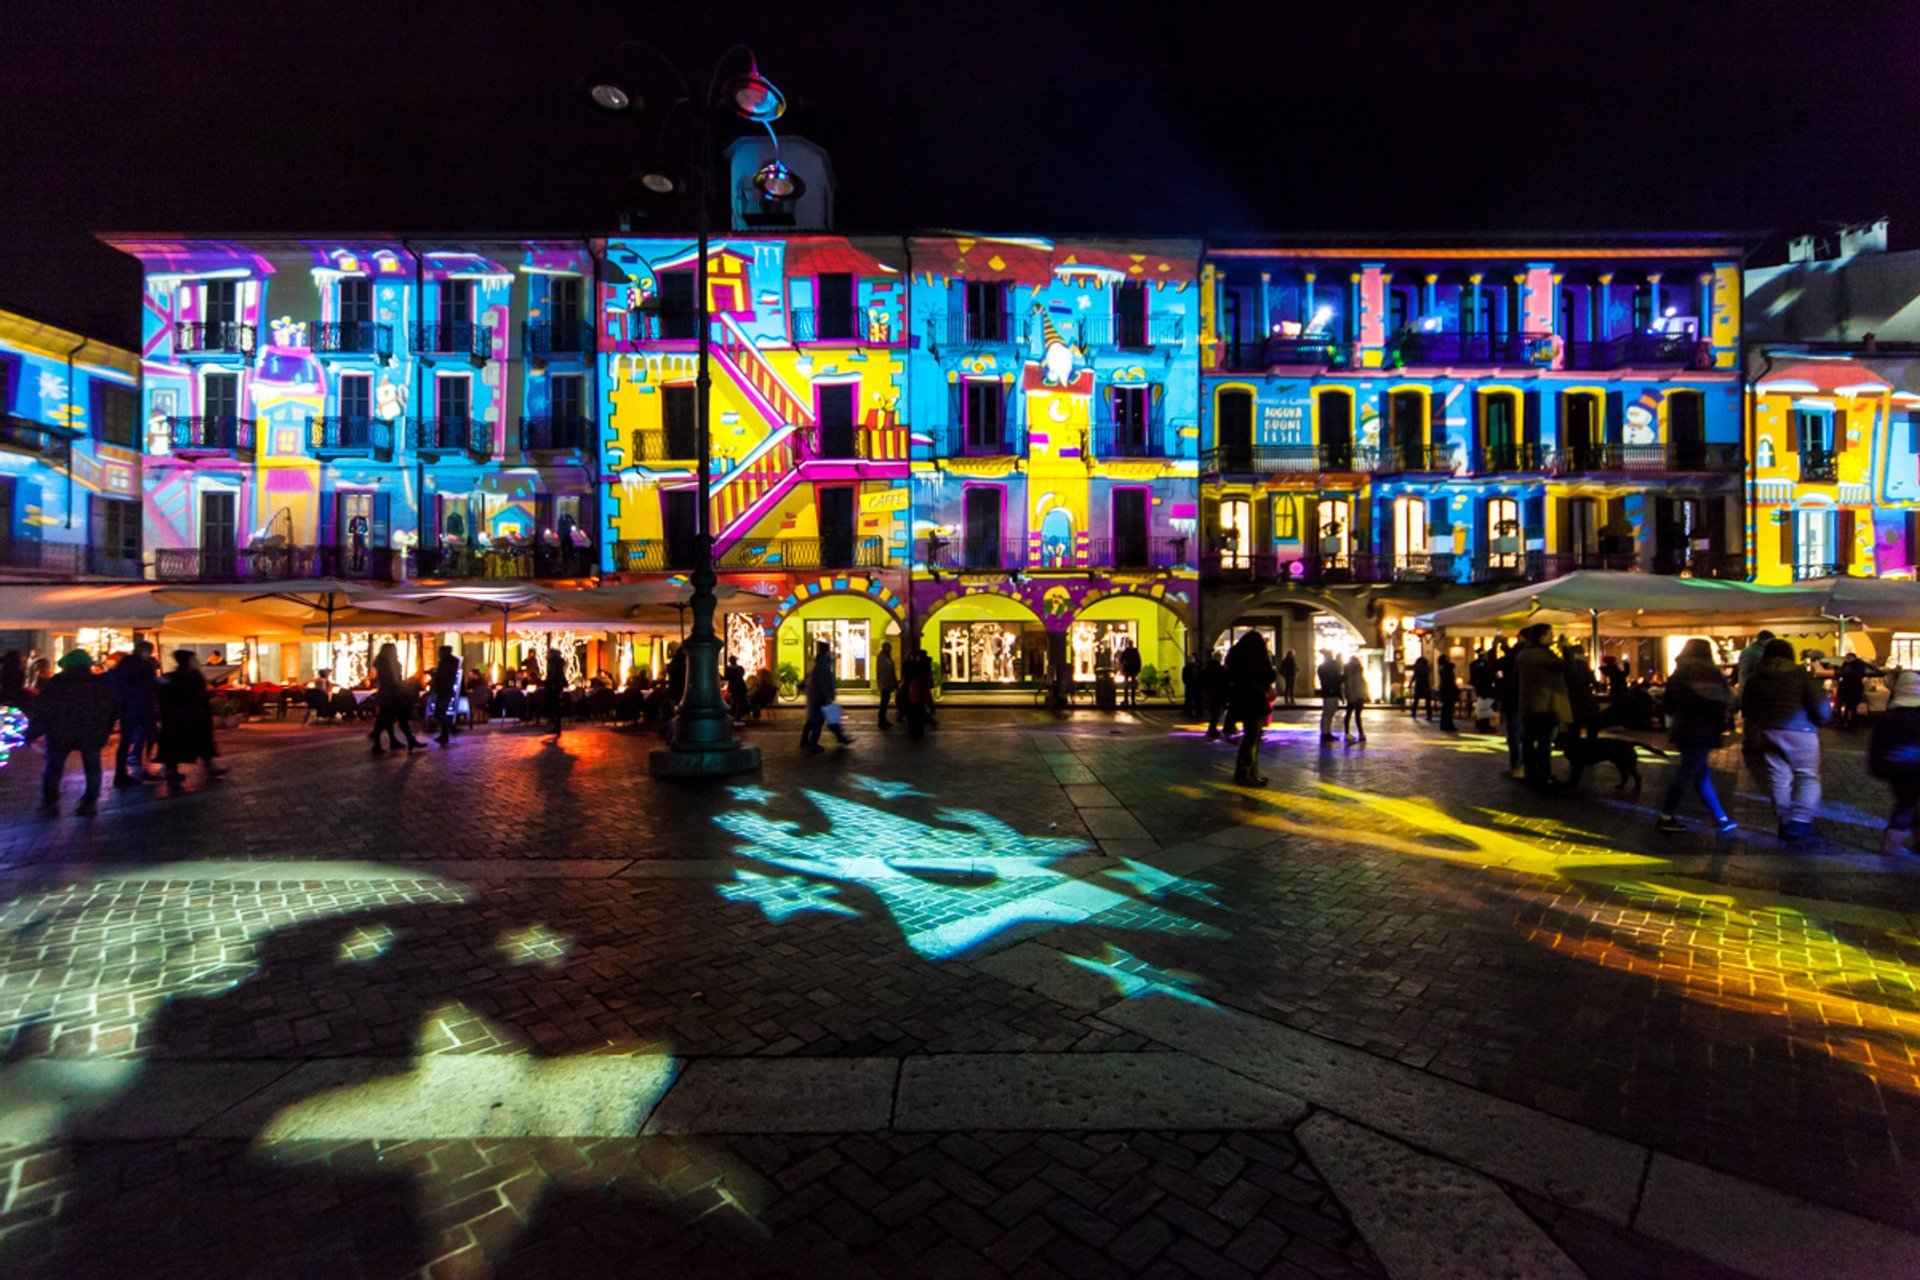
point(534, 944)
point(750, 794)
point(366, 943)
point(948, 887)
point(782, 896)
point(1152, 882)
point(13, 731)
point(886, 790)
point(1133, 977)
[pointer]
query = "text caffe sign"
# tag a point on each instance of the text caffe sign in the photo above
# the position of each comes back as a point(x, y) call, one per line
point(880, 500)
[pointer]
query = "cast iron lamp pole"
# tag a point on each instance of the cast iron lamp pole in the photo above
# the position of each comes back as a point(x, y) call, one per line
point(703, 742)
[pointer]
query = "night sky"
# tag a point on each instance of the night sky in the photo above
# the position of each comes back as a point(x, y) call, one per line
point(422, 115)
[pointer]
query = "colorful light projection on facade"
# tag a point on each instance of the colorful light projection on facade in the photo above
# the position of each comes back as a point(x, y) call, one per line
point(949, 884)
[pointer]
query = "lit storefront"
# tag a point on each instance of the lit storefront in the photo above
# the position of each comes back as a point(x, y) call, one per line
point(992, 652)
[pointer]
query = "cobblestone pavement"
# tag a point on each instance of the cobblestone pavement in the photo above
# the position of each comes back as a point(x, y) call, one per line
point(1031, 996)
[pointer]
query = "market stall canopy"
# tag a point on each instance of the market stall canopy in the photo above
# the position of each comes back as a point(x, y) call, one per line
point(1627, 601)
point(1875, 602)
point(56, 607)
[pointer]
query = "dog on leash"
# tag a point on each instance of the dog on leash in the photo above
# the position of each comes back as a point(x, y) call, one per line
point(1590, 753)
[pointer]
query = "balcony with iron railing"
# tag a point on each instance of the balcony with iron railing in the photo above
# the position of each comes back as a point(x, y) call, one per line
point(210, 434)
point(873, 327)
point(977, 555)
point(546, 433)
point(1138, 440)
point(1134, 552)
point(812, 553)
point(858, 443)
point(975, 440)
point(464, 340)
point(1807, 570)
point(1448, 347)
point(663, 446)
point(1511, 458)
point(956, 328)
point(1817, 467)
point(500, 560)
point(1128, 332)
point(348, 435)
point(1258, 354)
point(544, 340)
point(41, 440)
point(451, 434)
point(213, 338)
point(1412, 457)
point(1638, 349)
point(1699, 456)
point(352, 338)
point(277, 562)
point(1286, 459)
point(1689, 562)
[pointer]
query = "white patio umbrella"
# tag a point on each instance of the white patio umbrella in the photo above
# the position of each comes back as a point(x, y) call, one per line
point(334, 600)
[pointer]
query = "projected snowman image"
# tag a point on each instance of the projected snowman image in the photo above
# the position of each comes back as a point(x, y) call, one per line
point(950, 883)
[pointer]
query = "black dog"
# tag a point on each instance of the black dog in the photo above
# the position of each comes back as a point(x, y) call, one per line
point(1589, 753)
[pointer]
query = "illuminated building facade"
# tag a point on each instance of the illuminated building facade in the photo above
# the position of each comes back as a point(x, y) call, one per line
point(69, 454)
point(809, 495)
point(1055, 424)
point(1395, 423)
point(378, 409)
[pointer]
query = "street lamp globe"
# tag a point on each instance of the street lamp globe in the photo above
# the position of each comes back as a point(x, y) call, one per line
point(777, 182)
point(755, 98)
point(610, 96)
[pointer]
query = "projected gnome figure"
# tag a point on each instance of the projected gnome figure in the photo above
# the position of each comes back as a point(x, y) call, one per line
point(949, 887)
point(1057, 356)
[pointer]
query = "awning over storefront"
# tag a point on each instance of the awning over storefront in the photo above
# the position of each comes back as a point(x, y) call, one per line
point(1616, 601)
point(81, 605)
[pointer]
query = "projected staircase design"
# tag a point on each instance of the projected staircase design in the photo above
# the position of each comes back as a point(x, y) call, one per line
point(770, 471)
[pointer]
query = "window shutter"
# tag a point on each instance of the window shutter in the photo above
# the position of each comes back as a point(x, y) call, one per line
point(1440, 518)
point(1474, 443)
point(1533, 516)
point(1563, 516)
point(1482, 528)
point(1840, 430)
point(1363, 524)
point(1530, 419)
point(1310, 524)
point(1614, 430)
point(1389, 429)
point(1209, 523)
point(1787, 549)
point(381, 520)
point(1843, 543)
point(1794, 427)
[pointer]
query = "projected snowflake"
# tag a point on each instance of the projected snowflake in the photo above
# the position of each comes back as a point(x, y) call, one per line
point(751, 794)
point(949, 886)
point(1134, 977)
point(782, 896)
point(886, 790)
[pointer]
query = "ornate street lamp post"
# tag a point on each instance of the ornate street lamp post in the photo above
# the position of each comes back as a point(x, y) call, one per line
point(703, 742)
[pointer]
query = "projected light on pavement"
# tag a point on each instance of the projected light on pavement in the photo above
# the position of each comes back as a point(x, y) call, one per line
point(782, 896)
point(1133, 977)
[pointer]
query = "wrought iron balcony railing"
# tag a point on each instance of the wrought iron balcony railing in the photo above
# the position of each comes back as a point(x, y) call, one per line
point(352, 338)
point(1702, 457)
point(1686, 562)
point(642, 555)
point(464, 339)
point(975, 555)
point(347, 435)
point(213, 338)
point(1638, 349)
point(215, 433)
point(1323, 352)
point(1819, 468)
point(811, 553)
point(877, 326)
point(663, 446)
point(1141, 552)
point(36, 439)
point(972, 440)
point(956, 327)
point(275, 563)
point(1412, 458)
point(1503, 459)
point(1286, 459)
point(544, 339)
point(1111, 441)
point(1417, 346)
point(452, 434)
point(548, 434)
point(861, 444)
point(1129, 332)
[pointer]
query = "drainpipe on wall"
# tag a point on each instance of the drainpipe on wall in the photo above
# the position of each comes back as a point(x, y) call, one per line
point(70, 400)
point(602, 561)
point(415, 404)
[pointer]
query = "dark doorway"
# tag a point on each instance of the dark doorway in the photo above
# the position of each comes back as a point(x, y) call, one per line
point(983, 511)
point(836, 420)
point(1235, 430)
point(837, 526)
point(682, 514)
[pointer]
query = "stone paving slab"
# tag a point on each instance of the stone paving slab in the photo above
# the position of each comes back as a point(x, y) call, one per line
point(779, 1095)
point(1425, 1217)
point(1083, 1091)
point(41, 1098)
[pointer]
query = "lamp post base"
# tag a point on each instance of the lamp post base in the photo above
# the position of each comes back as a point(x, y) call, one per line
point(695, 762)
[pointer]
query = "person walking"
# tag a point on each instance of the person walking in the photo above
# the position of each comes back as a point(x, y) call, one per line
point(392, 702)
point(739, 703)
point(1422, 687)
point(823, 710)
point(916, 693)
point(1506, 683)
point(13, 679)
point(1129, 673)
point(186, 720)
point(1540, 681)
point(1782, 709)
point(73, 712)
point(445, 690)
point(1217, 686)
point(1190, 699)
point(1580, 692)
point(1449, 694)
point(1354, 694)
point(1483, 682)
point(1332, 683)
point(1893, 756)
point(1850, 690)
point(1289, 670)
point(1744, 665)
point(1698, 702)
point(136, 692)
point(554, 686)
point(888, 680)
point(1250, 674)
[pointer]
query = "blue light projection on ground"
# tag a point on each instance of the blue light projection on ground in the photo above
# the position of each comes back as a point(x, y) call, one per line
point(949, 887)
point(1133, 977)
point(782, 896)
point(886, 790)
point(1152, 882)
point(751, 794)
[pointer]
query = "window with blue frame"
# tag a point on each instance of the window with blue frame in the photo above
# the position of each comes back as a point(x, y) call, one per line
point(1813, 431)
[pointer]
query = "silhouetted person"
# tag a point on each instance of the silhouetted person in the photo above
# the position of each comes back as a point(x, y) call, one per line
point(887, 680)
point(555, 687)
point(13, 679)
point(1782, 709)
point(1250, 675)
point(186, 719)
point(1190, 693)
point(1893, 756)
point(1421, 687)
point(1218, 686)
point(1331, 679)
point(446, 691)
point(1449, 693)
point(1129, 672)
point(1289, 672)
point(1540, 679)
point(737, 700)
point(1353, 696)
point(822, 694)
point(136, 692)
point(1698, 701)
point(392, 702)
point(73, 712)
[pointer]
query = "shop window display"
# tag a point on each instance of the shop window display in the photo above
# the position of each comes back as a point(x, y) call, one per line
point(992, 652)
point(1096, 646)
point(849, 639)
